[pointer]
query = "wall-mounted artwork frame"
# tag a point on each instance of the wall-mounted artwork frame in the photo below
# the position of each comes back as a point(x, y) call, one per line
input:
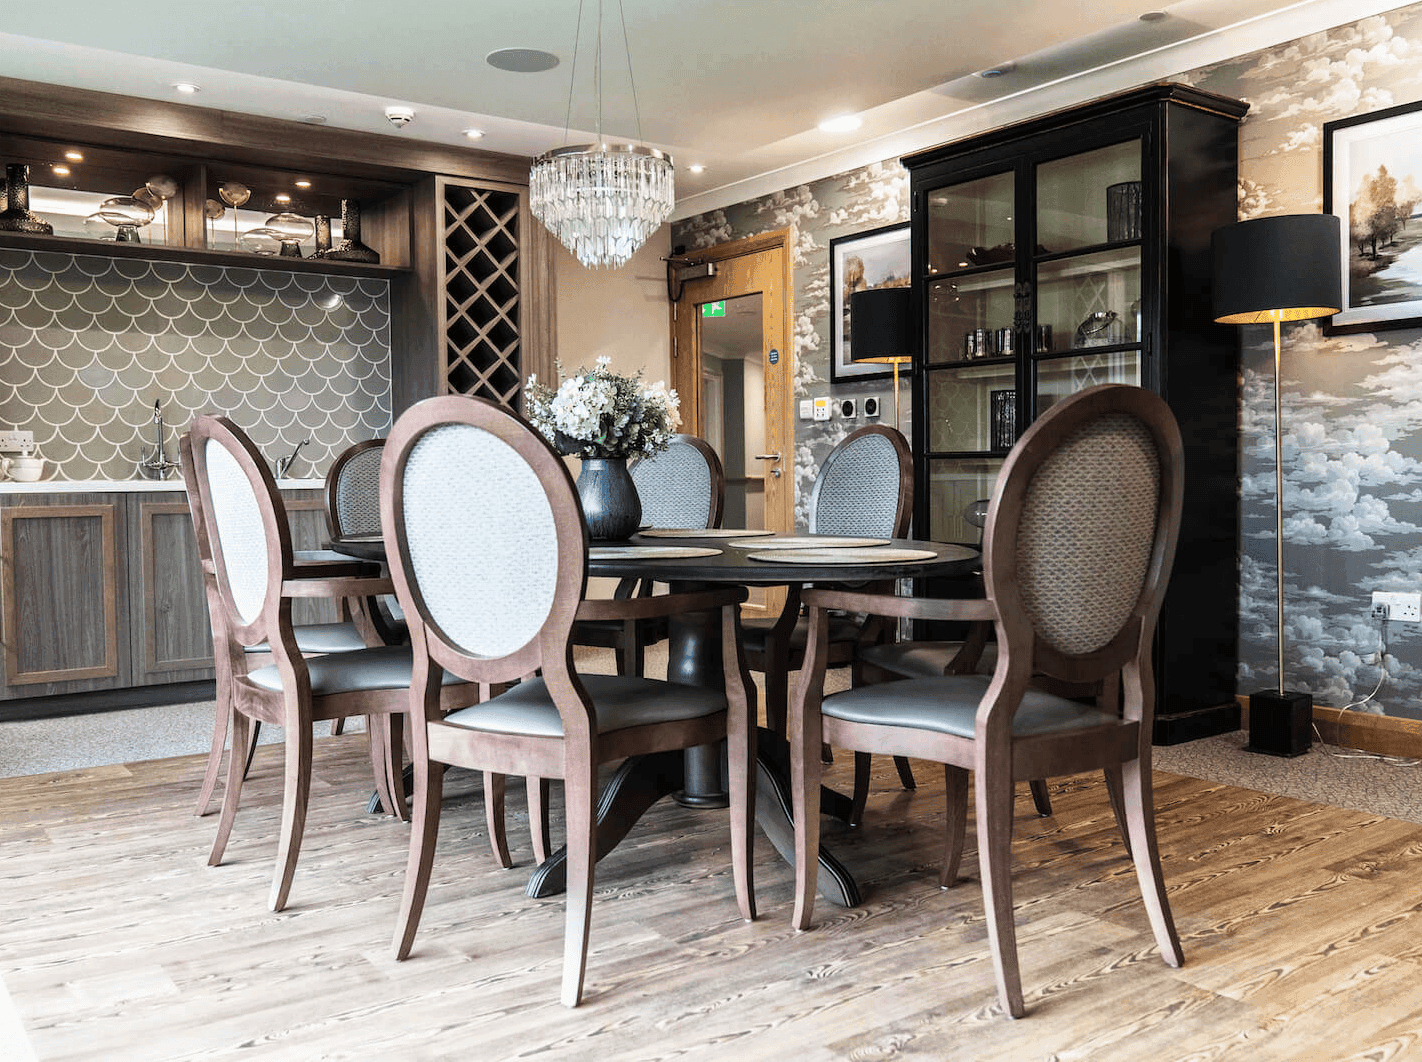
point(873, 259)
point(1372, 179)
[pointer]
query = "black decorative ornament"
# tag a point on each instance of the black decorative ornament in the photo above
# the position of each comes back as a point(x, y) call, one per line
point(16, 216)
point(350, 248)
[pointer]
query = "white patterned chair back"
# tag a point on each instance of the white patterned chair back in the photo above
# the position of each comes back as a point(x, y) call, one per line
point(483, 535)
point(355, 490)
point(1082, 530)
point(683, 487)
point(248, 536)
point(865, 486)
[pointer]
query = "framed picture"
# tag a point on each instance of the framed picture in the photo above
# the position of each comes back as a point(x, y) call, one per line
point(1372, 179)
point(878, 258)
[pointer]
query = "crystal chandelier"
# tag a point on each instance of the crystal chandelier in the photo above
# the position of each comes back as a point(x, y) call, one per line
point(602, 200)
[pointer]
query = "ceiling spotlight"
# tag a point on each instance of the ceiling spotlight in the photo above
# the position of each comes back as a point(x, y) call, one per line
point(474, 134)
point(1153, 16)
point(282, 197)
point(61, 171)
point(845, 123)
point(74, 156)
point(696, 167)
point(187, 88)
point(303, 184)
point(314, 119)
point(400, 117)
point(1001, 70)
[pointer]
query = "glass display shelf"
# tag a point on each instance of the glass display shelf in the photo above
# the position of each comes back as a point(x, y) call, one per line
point(972, 408)
point(1089, 198)
point(1089, 300)
point(971, 224)
point(956, 486)
point(970, 316)
point(1059, 377)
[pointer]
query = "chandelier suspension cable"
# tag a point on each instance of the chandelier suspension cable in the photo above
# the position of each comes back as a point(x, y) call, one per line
point(573, 76)
point(631, 80)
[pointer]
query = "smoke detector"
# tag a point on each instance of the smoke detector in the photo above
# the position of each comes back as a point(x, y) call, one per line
point(400, 117)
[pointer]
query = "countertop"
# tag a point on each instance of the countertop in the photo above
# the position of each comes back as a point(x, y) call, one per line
point(127, 486)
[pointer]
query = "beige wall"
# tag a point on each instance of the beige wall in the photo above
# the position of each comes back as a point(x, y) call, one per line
point(620, 313)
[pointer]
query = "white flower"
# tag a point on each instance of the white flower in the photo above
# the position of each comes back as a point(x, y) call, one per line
point(602, 414)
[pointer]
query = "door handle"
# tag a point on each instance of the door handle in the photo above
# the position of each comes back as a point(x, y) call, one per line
point(770, 457)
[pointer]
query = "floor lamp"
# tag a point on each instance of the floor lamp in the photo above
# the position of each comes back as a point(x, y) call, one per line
point(1271, 270)
point(881, 331)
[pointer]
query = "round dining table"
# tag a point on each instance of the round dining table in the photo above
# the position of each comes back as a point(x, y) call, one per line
point(686, 561)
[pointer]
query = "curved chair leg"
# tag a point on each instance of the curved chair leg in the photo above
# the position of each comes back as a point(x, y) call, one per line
point(905, 772)
point(956, 786)
point(221, 719)
point(232, 794)
point(296, 793)
point(741, 772)
point(994, 821)
point(494, 817)
point(537, 789)
point(1114, 785)
point(1041, 799)
point(386, 759)
point(1139, 804)
point(338, 726)
point(579, 794)
point(862, 762)
point(424, 833)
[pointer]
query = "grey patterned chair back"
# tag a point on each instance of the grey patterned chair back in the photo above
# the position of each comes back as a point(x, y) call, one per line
point(484, 538)
point(865, 487)
point(353, 496)
point(683, 487)
point(248, 536)
point(1082, 530)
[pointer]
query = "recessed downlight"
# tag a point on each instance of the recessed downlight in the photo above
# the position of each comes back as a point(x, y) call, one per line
point(282, 197)
point(1153, 16)
point(521, 60)
point(303, 184)
point(474, 134)
point(696, 167)
point(187, 88)
point(844, 123)
point(1000, 70)
point(61, 171)
point(74, 156)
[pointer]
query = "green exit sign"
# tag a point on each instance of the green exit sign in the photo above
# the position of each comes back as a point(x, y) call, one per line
point(713, 309)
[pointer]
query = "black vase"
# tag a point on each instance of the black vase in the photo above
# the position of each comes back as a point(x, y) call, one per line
point(16, 216)
point(323, 236)
point(611, 506)
point(350, 248)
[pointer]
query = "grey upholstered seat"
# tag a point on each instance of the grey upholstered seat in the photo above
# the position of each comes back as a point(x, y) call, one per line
point(920, 659)
point(385, 667)
point(319, 639)
point(1080, 539)
point(492, 592)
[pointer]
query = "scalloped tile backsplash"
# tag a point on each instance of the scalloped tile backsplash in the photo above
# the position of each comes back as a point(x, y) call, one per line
point(87, 344)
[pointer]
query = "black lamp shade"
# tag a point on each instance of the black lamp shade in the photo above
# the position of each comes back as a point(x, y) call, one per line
point(880, 328)
point(1284, 268)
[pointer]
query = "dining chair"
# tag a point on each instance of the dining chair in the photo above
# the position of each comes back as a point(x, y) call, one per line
point(863, 489)
point(682, 488)
point(1078, 547)
point(491, 592)
point(353, 508)
point(254, 582)
point(312, 639)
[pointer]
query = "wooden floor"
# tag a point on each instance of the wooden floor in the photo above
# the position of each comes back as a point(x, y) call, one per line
point(1300, 925)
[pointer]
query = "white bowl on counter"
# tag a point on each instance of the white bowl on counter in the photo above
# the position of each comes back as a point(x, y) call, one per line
point(23, 469)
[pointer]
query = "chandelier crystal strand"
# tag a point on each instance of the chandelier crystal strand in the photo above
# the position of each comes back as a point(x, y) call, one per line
point(602, 201)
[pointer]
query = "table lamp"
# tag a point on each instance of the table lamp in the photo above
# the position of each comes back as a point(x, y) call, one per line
point(1270, 270)
point(881, 331)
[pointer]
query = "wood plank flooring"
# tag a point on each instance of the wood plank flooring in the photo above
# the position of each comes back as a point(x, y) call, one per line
point(1300, 925)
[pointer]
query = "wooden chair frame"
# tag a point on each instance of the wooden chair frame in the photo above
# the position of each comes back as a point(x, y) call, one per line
point(1120, 669)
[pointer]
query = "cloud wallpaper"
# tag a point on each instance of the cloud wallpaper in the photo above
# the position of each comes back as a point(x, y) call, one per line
point(1352, 404)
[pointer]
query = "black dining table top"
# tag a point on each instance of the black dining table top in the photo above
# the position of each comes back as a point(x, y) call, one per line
point(733, 564)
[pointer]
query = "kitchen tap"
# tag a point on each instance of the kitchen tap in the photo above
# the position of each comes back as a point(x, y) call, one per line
point(155, 463)
point(283, 465)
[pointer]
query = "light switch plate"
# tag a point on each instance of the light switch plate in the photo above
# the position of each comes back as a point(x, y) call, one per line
point(807, 408)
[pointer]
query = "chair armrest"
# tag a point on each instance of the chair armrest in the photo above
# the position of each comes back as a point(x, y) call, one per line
point(634, 608)
point(928, 608)
point(359, 586)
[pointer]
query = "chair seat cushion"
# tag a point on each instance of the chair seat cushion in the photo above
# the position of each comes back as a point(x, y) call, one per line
point(922, 659)
point(314, 638)
point(383, 668)
point(620, 701)
point(949, 704)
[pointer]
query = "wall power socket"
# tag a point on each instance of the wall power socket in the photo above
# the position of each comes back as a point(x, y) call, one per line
point(1398, 607)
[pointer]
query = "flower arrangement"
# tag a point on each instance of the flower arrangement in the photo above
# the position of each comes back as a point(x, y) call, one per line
point(602, 414)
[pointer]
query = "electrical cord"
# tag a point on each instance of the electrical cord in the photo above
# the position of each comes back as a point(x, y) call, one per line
point(1343, 752)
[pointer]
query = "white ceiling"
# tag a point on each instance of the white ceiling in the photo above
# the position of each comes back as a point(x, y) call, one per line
point(738, 86)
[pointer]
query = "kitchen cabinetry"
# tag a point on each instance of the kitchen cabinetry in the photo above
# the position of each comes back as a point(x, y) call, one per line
point(104, 591)
point(1073, 250)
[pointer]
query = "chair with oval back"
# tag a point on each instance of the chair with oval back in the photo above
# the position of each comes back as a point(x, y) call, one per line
point(254, 581)
point(1078, 547)
point(502, 610)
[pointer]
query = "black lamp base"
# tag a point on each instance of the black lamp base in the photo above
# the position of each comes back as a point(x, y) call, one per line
point(1280, 723)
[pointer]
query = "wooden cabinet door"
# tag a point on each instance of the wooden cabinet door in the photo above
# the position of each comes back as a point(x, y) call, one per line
point(62, 596)
point(171, 633)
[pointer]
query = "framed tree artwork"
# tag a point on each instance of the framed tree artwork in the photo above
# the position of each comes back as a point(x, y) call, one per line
point(1372, 179)
point(878, 258)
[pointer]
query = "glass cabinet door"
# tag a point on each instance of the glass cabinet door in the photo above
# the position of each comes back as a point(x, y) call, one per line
point(972, 269)
point(971, 224)
point(1089, 199)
